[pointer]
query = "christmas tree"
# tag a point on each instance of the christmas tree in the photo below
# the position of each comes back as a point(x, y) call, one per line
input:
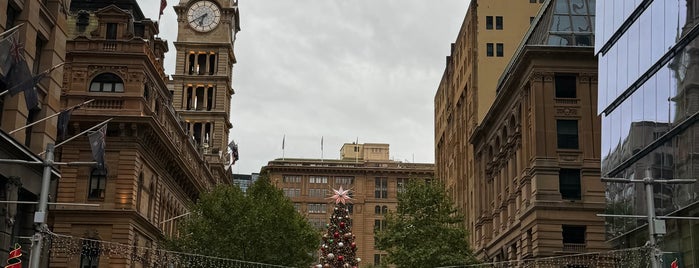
point(338, 249)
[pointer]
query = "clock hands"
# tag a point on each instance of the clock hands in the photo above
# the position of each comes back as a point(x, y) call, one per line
point(200, 18)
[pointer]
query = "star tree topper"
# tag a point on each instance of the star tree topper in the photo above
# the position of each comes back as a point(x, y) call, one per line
point(341, 196)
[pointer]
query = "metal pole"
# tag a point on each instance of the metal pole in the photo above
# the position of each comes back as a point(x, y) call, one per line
point(50, 116)
point(650, 203)
point(40, 214)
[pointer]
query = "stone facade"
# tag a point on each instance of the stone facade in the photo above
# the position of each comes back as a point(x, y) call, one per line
point(374, 182)
point(43, 33)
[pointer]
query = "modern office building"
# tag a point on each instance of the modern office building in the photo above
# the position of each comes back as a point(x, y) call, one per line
point(489, 35)
point(244, 181)
point(649, 102)
point(154, 168)
point(365, 169)
point(41, 34)
point(536, 190)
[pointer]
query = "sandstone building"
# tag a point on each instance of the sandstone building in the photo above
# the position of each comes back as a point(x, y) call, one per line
point(488, 38)
point(537, 187)
point(366, 169)
point(155, 164)
point(42, 31)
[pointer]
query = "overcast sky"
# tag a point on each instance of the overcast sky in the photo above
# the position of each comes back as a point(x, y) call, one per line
point(336, 69)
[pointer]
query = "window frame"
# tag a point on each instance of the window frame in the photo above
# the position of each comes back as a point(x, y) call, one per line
point(565, 139)
point(107, 79)
point(97, 182)
point(570, 184)
point(499, 22)
point(499, 50)
point(565, 86)
point(489, 49)
point(489, 22)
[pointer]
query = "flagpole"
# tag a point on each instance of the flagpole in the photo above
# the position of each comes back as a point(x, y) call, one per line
point(76, 136)
point(321, 148)
point(50, 116)
point(11, 30)
point(283, 141)
point(46, 72)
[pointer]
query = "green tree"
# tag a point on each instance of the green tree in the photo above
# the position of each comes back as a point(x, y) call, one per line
point(425, 230)
point(260, 226)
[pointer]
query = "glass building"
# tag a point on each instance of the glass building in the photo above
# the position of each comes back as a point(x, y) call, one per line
point(649, 104)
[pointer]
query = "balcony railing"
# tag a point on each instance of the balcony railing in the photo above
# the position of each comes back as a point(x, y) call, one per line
point(574, 247)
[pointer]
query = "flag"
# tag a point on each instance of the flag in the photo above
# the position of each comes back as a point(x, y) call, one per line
point(63, 119)
point(321, 143)
point(674, 264)
point(234, 152)
point(9, 47)
point(283, 140)
point(13, 259)
point(19, 79)
point(163, 5)
point(97, 144)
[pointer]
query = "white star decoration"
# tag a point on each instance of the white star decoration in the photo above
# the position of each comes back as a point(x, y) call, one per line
point(341, 196)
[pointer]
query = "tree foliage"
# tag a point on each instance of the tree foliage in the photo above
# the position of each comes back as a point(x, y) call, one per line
point(425, 230)
point(260, 226)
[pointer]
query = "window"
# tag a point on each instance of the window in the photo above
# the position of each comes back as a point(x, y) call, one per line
point(499, 50)
point(378, 258)
point(381, 187)
point(11, 14)
point(498, 23)
point(489, 22)
point(98, 181)
point(401, 184)
point(297, 207)
point(317, 192)
point(111, 31)
point(291, 179)
point(569, 184)
point(565, 86)
point(292, 192)
point(317, 179)
point(344, 180)
point(107, 82)
point(90, 254)
point(139, 192)
point(31, 117)
point(379, 224)
point(316, 208)
point(489, 47)
point(212, 63)
point(317, 223)
point(573, 234)
point(567, 132)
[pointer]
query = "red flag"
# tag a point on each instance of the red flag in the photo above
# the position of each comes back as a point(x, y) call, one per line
point(163, 5)
point(13, 260)
point(674, 264)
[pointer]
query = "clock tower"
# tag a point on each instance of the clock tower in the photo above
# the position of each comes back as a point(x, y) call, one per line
point(202, 84)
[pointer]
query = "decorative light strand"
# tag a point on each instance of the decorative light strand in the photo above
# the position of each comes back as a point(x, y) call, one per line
point(624, 258)
point(69, 247)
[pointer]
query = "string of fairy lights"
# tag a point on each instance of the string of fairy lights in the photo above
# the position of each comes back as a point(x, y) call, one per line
point(71, 247)
point(623, 258)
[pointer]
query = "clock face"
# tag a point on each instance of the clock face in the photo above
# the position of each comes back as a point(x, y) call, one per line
point(203, 16)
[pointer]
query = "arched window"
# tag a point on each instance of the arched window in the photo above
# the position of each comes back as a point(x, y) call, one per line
point(377, 210)
point(107, 82)
point(98, 182)
point(384, 210)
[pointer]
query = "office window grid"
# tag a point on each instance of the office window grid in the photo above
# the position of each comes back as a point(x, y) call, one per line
point(291, 179)
point(316, 208)
point(381, 187)
point(344, 180)
point(317, 192)
point(318, 179)
point(292, 192)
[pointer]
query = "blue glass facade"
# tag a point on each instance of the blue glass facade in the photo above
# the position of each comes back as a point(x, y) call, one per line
point(649, 102)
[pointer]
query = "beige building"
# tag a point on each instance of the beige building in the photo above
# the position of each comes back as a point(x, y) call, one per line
point(489, 36)
point(365, 169)
point(537, 189)
point(155, 168)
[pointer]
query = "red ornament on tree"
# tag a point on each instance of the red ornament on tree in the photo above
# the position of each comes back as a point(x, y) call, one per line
point(342, 224)
point(340, 258)
point(336, 234)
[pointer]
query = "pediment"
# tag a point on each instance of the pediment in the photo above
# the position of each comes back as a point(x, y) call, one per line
point(113, 11)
